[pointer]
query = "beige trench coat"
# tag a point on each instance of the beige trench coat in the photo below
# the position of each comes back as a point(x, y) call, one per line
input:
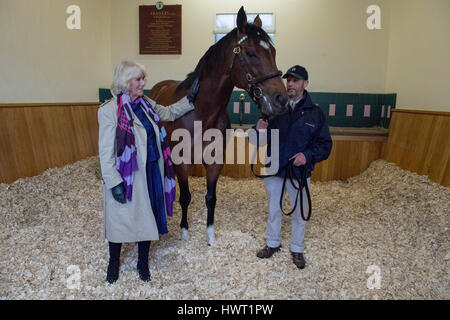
point(133, 221)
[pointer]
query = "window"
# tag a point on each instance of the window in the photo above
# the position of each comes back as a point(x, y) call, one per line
point(226, 22)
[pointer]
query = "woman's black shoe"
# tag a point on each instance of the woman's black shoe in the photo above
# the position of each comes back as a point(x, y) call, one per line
point(142, 265)
point(144, 272)
point(114, 261)
point(113, 272)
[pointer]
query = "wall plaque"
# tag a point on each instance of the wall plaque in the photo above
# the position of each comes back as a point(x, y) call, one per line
point(160, 30)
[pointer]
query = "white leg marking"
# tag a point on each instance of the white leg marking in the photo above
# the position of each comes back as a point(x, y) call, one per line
point(210, 233)
point(184, 234)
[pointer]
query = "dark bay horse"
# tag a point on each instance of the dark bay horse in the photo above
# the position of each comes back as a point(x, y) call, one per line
point(244, 58)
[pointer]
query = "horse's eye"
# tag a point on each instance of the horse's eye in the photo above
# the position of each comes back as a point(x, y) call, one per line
point(251, 53)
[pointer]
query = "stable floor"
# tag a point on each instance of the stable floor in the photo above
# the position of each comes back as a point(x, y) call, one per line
point(380, 235)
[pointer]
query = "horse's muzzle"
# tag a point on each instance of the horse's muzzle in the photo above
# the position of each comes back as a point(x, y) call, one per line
point(281, 104)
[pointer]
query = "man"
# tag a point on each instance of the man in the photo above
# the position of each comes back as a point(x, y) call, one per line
point(304, 137)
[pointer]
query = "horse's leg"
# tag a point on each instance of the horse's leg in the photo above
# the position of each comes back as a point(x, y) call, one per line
point(185, 199)
point(212, 175)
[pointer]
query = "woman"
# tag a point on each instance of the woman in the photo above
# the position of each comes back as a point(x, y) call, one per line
point(138, 176)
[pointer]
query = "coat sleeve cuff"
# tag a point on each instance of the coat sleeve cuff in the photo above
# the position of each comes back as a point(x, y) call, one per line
point(308, 156)
point(112, 181)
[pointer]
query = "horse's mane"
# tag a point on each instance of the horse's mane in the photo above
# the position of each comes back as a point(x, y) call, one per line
point(218, 51)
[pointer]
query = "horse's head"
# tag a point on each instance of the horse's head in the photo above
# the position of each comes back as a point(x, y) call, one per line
point(254, 69)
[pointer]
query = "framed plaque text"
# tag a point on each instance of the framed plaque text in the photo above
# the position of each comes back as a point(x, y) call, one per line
point(160, 30)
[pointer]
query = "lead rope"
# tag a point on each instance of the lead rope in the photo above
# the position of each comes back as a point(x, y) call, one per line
point(302, 183)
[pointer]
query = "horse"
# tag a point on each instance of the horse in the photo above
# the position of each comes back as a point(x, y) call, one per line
point(244, 58)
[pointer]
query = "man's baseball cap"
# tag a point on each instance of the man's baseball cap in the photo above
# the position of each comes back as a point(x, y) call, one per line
point(297, 71)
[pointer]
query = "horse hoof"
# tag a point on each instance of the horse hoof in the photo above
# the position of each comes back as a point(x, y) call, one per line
point(210, 233)
point(184, 234)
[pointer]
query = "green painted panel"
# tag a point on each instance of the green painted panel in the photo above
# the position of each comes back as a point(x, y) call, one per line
point(323, 99)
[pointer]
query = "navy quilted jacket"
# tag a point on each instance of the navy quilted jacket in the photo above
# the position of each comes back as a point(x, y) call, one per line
point(303, 129)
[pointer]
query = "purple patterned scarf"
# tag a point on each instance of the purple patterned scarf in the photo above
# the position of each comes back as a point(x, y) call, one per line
point(126, 148)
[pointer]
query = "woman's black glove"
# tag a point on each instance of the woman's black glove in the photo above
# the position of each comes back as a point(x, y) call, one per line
point(194, 90)
point(118, 193)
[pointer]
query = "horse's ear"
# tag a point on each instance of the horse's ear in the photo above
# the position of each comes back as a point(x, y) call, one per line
point(257, 21)
point(241, 20)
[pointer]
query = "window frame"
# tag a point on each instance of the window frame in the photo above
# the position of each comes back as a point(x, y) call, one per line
point(270, 31)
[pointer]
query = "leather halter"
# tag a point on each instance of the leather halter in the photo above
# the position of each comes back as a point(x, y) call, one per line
point(254, 91)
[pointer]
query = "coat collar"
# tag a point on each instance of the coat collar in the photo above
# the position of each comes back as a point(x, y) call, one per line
point(300, 107)
point(292, 115)
point(305, 102)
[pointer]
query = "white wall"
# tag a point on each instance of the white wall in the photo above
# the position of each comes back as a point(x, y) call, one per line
point(328, 37)
point(419, 54)
point(42, 61)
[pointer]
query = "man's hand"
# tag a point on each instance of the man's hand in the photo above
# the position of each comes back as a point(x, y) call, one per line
point(118, 193)
point(299, 159)
point(261, 125)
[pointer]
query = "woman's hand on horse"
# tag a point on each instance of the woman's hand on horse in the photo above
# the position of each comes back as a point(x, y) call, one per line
point(299, 159)
point(194, 90)
point(261, 125)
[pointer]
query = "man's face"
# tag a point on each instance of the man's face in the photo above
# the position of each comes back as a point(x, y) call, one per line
point(295, 87)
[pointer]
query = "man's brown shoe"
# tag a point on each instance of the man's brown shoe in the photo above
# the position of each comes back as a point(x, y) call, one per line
point(267, 252)
point(298, 259)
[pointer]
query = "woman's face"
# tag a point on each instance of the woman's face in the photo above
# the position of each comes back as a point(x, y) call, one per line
point(137, 85)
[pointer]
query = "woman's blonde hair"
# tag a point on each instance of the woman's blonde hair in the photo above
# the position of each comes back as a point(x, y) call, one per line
point(123, 73)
